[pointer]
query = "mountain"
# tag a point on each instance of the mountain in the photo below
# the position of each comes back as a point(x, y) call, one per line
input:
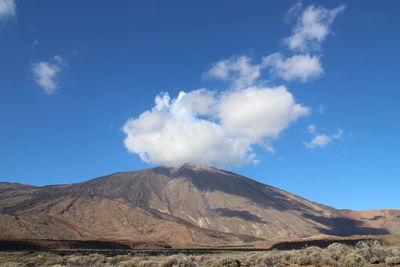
point(192, 204)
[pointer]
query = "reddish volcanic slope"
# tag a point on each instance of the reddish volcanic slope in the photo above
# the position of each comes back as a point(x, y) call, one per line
point(187, 205)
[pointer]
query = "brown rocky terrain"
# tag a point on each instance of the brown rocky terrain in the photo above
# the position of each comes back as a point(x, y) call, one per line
point(191, 205)
point(388, 219)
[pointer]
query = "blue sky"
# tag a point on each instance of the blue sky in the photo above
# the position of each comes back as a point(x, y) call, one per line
point(103, 63)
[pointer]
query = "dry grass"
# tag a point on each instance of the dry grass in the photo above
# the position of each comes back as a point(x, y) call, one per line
point(364, 253)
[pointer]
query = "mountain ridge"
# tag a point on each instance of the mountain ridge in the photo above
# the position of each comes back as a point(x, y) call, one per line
point(191, 204)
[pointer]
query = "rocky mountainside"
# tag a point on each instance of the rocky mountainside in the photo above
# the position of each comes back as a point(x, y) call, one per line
point(187, 205)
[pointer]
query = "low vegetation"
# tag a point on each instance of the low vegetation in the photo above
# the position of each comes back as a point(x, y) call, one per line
point(365, 253)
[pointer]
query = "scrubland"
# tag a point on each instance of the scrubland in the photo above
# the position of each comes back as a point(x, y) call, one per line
point(365, 253)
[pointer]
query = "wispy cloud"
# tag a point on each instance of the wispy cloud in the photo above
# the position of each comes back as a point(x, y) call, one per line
point(312, 27)
point(311, 129)
point(321, 140)
point(238, 69)
point(322, 108)
point(298, 67)
point(242, 72)
point(338, 134)
point(45, 73)
point(8, 9)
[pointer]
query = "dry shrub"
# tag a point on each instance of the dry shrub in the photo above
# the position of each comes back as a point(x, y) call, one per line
point(327, 260)
point(12, 264)
point(148, 263)
point(39, 259)
point(287, 257)
point(303, 260)
point(374, 260)
point(395, 251)
point(336, 251)
point(92, 260)
point(117, 259)
point(53, 260)
point(354, 260)
point(168, 262)
point(186, 261)
point(227, 263)
point(392, 260)
point(313, 255)
point(335, 255)
point(202, 258)
point(253, 257)
point(268, 260)
point(371, 250)
point(74, 260)
point(129, 263)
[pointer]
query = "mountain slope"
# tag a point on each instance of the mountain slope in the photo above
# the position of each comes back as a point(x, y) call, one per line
point(187, 205)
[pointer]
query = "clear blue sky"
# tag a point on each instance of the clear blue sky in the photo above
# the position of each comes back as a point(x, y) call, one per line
point(113, 57)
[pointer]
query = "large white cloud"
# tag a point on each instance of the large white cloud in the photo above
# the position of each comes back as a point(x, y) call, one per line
point(203, 128)
point(259, 112)
point(312, 27)
point(45, 73)
point(8, 9)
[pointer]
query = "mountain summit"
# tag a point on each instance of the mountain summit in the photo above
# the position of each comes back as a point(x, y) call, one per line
point(192, 204)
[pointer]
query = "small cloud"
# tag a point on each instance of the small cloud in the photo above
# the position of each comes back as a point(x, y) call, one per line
point(311, 129)
point(35, 42)
point(45, 73)
point(239, 70)
point(321, 140)
point(58, 59)
point(312, 27)
point(297, 67)
point(322, 108)
point(270, 149)
point(8, 9)
point(339, 134)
